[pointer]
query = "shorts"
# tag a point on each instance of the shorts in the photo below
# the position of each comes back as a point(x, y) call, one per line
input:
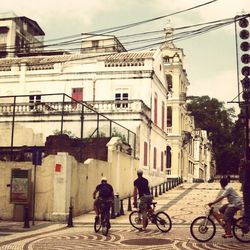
point(98, 201)
point(145, 202)
point(228, 212)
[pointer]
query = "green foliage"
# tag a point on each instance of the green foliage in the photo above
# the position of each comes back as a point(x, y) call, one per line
point(101, 134)
point(211, 115)
point(116, 133)
point(65, 132)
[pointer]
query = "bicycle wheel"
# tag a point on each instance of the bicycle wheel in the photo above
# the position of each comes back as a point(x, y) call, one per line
point(202, 229)
point(105, 229)
point(97, 225)
point(105, 225)
point(240, 232)
point(163, 222)
point(135, 219)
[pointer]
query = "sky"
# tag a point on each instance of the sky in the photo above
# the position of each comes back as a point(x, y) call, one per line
point(210, 58)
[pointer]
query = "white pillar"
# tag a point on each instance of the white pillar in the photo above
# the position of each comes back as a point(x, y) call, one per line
point(62, 187)
point(114, 148)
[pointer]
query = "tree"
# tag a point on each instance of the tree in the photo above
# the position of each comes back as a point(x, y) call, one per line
point(211, 115)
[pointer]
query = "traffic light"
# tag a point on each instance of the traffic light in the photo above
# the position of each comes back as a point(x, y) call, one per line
point(245, 57)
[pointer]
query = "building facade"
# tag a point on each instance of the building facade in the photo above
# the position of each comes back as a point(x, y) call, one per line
point(19, 35)
point(142, 91)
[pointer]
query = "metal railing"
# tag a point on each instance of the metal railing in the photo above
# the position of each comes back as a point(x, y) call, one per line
point(58, 114)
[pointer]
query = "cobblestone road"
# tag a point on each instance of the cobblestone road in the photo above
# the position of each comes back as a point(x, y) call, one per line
point(183, 204)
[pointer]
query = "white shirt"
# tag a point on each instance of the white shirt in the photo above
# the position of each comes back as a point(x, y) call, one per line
point(233, 198)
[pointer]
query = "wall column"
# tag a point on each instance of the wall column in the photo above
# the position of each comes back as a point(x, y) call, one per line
point(62, 186)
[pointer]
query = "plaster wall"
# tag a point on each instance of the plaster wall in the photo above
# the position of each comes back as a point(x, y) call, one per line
point(73, 184)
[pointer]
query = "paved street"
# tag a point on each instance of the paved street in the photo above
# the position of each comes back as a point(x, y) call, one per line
point(183, 204)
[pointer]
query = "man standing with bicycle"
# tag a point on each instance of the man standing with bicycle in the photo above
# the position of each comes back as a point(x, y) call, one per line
point(141, 187)
point(105, 194)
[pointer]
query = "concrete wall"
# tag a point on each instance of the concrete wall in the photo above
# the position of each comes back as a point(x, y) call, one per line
point(73, 184)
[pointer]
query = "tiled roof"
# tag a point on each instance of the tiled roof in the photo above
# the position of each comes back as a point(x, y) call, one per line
point(131, 55)
point(40, 59)
point(35, 60)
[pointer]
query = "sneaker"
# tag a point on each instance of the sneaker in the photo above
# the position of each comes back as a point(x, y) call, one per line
point(227, 236)
point(153, 218)
point(143, 229)
point(96, 219)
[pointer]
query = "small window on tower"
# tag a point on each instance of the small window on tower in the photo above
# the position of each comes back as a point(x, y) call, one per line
point(169, 82)
point(95, 43)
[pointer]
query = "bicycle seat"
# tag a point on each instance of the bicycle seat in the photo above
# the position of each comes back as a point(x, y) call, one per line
point(153, 203)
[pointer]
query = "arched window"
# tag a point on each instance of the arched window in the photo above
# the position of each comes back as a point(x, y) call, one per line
point(155, 108)
point(169, 156)
point(169, 82)
point(155, 157)
point(169, 116)
point(145, 161)
point(163, 115)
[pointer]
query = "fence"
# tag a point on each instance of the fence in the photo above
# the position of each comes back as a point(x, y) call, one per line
point(155, 191)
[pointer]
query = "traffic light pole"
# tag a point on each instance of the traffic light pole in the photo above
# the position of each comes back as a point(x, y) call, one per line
point(246, 184)
point(243, 58)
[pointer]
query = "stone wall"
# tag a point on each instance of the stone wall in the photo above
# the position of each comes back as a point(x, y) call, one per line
point(81, 149)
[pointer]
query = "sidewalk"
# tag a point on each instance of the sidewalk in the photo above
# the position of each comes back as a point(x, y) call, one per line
point(185, 197)
point(183, 204)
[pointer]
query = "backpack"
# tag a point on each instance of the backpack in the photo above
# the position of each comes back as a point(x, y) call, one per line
point(105, 191)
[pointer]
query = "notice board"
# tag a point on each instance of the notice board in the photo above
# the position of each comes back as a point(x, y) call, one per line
point(20, 186)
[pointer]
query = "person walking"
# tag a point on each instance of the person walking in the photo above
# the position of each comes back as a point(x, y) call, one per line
point(141, 187)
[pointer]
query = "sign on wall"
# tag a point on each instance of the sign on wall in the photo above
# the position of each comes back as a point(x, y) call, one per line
point(20, 186)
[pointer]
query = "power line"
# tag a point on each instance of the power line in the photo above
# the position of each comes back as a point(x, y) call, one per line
point(176, 36)
point(118, 28)
point(122, 27)
point(179, 36)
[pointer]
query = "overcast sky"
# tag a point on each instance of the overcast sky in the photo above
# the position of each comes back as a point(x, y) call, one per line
point(210, 58)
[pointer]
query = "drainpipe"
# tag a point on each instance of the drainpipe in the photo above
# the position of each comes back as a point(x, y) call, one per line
point(150, 125)
point(94, 81)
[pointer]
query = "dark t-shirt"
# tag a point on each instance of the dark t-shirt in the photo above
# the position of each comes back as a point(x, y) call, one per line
point(105, 190)
point(142, 185)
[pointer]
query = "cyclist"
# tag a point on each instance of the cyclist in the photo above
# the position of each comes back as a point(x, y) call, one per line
point(141, 187)
point(228, 210)
point(105, 194)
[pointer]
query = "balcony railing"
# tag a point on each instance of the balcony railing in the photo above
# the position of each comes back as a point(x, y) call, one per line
point(55, 107)
point(120, 106)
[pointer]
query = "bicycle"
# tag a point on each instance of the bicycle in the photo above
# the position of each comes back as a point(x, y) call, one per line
point(104, 221)
point(203, 228)
point(160, 219)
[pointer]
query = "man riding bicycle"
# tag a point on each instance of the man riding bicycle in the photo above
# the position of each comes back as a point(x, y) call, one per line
point(105, 194)
point(141, 187)
point(228, 210)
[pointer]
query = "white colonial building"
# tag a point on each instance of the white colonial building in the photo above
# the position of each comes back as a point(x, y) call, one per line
point(143, 91)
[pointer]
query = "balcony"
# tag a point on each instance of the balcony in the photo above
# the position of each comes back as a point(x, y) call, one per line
point(169, 130)
point(183, 96)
